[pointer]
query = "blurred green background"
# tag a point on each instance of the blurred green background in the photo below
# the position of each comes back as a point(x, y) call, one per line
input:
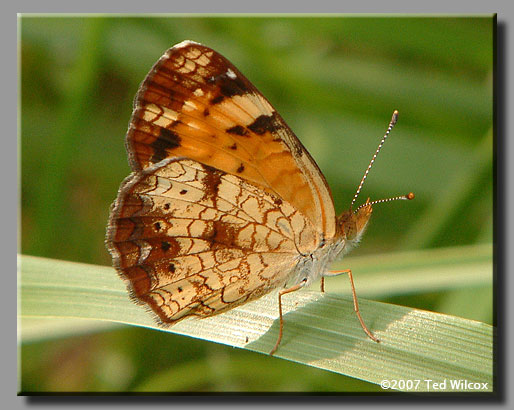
point(336, 81)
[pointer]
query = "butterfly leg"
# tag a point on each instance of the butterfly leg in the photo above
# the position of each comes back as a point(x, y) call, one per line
point(322, 285)
point(280, 294)
point(355, 303)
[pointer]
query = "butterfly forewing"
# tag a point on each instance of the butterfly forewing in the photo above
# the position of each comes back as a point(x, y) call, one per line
point(194, 103)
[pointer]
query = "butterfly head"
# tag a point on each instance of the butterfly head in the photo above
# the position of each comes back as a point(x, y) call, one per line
point(352, 224)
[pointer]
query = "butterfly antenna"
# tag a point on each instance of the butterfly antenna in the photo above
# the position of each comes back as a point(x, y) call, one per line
point(391, 125)
point(407, 197)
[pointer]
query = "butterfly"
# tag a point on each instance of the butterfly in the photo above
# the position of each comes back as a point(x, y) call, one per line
point(224, 203)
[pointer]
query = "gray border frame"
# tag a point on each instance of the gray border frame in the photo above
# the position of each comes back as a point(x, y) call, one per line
point(504, 187)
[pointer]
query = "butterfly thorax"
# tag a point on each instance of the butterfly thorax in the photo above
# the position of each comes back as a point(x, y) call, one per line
point(350, 228)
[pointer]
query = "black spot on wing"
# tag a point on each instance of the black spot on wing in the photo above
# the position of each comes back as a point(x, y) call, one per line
point(265, 123)
point(231, 87)
point(167, 140)
point(237, 130)
point(274, 124)
point(228, 86)
point(217, 99)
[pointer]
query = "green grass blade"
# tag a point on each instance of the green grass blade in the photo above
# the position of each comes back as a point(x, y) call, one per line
point(320, 330)
point(404, 273)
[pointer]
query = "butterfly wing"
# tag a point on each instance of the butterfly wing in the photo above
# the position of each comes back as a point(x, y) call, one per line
point(194, 240)
point(194, 103)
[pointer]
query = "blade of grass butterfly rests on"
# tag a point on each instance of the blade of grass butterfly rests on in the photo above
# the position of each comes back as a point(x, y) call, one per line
point(324, 331)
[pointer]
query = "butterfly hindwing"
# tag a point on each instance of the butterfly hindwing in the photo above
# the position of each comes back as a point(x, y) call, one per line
point(193, 240)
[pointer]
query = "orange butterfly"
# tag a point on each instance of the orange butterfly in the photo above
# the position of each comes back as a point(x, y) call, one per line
point(225, 204)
